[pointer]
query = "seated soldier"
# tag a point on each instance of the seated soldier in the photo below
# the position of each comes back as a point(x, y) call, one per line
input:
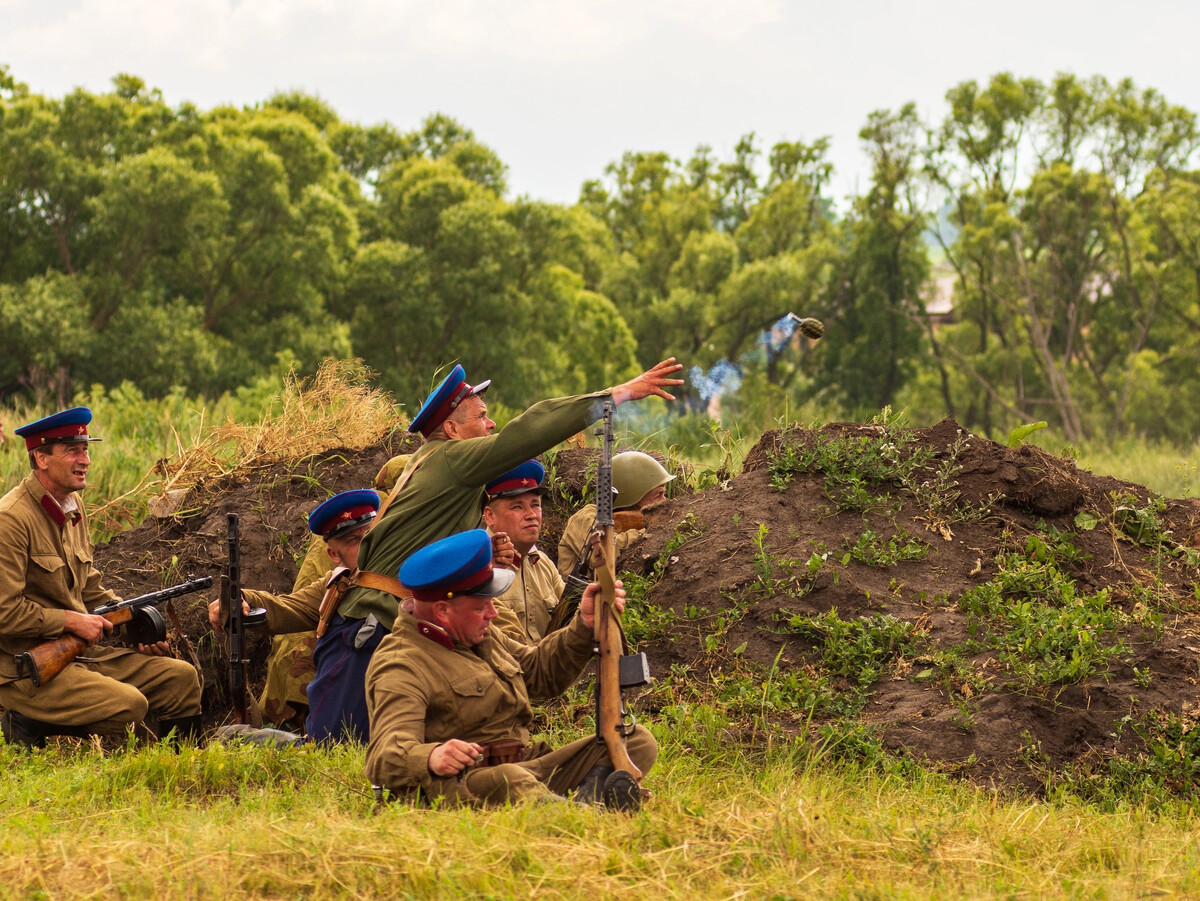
point(640, 483)
point(290, 665)
point(48, 588)
point(514, 506)
point(449, 694)
point(340, 522)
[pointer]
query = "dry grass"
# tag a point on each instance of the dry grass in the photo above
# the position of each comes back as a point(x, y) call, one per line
point(337, 408)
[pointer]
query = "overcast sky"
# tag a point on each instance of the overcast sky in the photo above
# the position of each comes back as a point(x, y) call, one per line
point(560, 88)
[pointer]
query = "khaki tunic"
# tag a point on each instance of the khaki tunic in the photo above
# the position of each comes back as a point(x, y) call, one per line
point(445, 494)
point(575, 535)
point(46, 569)
point(524, 610)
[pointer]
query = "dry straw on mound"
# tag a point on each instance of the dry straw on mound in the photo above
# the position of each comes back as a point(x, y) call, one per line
point(335, 409)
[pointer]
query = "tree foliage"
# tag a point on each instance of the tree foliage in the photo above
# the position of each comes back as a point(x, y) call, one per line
point(182, 249)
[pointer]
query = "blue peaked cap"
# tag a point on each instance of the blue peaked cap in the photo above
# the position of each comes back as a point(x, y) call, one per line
point(343, 513)
point(445, 398)
point(460, 564)
point(66, 425)
point(520, 480)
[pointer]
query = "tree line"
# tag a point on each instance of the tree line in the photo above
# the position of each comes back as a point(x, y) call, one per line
point(171, 247)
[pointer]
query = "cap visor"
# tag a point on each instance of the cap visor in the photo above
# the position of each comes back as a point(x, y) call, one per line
point(498, 584)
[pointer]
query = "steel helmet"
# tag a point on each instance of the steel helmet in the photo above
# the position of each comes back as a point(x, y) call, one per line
point(635, 475)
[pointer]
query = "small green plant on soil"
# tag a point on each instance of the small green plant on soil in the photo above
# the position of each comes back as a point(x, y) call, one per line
point(875, 551)
point(1165, 764)
point(644, 620)
point(951, 667)
point(854, 467)
point(854, 650)
point(1045, 630)
point(1144, 524)
point(796, 692)
point(766, 583)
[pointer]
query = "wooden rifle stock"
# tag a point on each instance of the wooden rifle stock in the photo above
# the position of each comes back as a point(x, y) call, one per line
point(610, 713)
point(628, 520)
point(577, 581)
point(50, 658)
point(607, 628)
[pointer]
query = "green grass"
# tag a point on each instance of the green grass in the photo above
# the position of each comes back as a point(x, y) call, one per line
point(788, 820)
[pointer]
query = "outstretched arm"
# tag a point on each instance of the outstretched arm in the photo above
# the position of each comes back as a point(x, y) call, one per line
point(653, 381)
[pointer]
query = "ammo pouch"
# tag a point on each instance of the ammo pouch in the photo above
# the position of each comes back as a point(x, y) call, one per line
point(509, 751)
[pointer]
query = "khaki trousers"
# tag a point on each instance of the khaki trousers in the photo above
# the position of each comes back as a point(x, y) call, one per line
point(117, 687)
point(548, 771)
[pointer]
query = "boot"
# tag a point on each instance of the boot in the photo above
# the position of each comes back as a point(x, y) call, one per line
point(621, 792)
point(589, 791)
point(180, 730)
point(20, 729)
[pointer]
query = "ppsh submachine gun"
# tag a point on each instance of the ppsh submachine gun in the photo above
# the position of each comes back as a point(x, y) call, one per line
point(143, 625)
point(616, 670)
point(236, 623)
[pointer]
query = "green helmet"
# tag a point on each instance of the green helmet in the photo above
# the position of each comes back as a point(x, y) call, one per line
point(635, 475)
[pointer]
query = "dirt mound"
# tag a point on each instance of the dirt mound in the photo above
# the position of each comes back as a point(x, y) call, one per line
point(992, 611)
point(898, 577)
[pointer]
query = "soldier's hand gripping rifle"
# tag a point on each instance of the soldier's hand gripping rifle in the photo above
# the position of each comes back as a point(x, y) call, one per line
point(143, 625)
point(236, 621)
point(615, 671)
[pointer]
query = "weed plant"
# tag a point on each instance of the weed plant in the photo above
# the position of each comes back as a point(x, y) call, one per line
point(874, 551)
point(853, 651)
point(643, 620)
point(1045, 630)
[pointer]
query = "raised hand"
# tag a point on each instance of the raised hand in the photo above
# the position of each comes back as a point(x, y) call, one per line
point(653, 381)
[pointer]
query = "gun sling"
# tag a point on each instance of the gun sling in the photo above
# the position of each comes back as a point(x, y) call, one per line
point(338, 587)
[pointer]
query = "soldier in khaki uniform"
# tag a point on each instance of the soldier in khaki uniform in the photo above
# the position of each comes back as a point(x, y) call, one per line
point(444, 492)
point(514, 506)
point(442, 488)
point(48, 585)
point(640, 483)
point(449, 694)
point(338, 525)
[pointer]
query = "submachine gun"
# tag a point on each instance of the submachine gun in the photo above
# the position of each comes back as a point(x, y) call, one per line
point(143, 625)
point(236, 623)
point(616, 671)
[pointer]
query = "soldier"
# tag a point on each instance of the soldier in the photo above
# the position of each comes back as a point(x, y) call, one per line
point(290, 666)
point(514, 506)
point(48, 585)
point(442, 489)
point(640, 483)
point(449, 694)
point(339, 523)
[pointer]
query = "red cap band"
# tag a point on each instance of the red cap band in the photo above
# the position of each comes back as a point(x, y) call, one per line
point(446, 592)
point(64, 431)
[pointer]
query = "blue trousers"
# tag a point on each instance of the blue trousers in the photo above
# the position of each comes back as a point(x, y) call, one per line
point(337, 695)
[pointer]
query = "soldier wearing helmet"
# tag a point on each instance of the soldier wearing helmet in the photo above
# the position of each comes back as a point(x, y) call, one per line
point(640, 483)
